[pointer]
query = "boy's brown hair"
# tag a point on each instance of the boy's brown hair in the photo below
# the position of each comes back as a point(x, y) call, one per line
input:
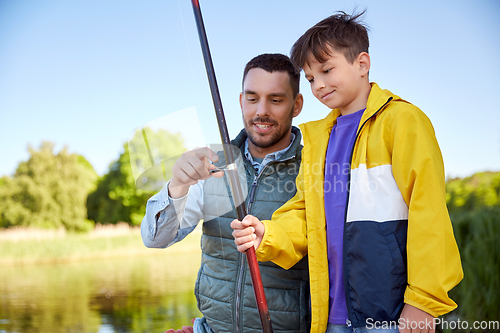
point(340, 32)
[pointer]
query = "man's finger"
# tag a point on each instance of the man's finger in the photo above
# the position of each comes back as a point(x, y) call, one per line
point(187, 329)
point(217, 174)
point(197, 169)
point(206, 152)
point(184, 177)
point(213, 156)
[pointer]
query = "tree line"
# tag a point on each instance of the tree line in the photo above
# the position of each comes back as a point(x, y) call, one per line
point(54, 190)
point(62, 190)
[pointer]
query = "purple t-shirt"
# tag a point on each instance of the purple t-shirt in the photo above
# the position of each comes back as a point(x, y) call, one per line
point(337, 167)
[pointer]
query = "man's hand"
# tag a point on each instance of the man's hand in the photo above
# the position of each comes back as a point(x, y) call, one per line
point(185, 329)
point(414, 320)
point(192, 166)
point(247, 233)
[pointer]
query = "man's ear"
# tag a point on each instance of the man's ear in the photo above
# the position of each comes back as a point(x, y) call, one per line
point(364, 63)
point(241, 101)
point(297, 107)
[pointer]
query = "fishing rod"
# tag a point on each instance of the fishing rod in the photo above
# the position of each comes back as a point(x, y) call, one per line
point(232, 172)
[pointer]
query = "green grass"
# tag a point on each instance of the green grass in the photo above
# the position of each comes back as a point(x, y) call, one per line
point(477, 235)
point(75, 247)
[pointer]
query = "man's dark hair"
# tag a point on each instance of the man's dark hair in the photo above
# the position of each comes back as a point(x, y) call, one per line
point(340, 32)
point(275, 62)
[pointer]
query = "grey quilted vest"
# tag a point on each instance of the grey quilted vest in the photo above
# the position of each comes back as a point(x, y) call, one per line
point(224, 288)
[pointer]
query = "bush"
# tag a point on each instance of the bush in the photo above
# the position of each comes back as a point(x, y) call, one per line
point(476, 233)
point(475, 192)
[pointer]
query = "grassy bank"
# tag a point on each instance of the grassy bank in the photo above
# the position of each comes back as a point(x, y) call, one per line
point(28, 246)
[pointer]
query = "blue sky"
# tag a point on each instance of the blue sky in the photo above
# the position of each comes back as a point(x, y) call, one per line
point(86, 74)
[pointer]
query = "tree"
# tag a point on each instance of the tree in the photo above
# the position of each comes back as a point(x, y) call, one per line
point(475, 192)
point(140, 171)
point(48, 191)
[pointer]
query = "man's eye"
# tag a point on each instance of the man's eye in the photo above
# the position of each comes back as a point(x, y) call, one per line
point(277, 100)
point(251, 99)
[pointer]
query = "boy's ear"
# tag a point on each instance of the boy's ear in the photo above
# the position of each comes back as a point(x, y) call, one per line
point(364, 63)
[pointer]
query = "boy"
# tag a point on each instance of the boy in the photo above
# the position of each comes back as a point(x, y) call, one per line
point(370, 209)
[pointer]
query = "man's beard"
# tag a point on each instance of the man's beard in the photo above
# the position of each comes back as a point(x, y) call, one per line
point(276, 137)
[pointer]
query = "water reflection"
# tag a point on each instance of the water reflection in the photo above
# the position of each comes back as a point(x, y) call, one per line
point(138, 294)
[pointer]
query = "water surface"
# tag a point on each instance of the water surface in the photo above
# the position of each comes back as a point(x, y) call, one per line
point(136, 294)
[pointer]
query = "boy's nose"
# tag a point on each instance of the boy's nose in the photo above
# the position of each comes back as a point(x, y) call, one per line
point(319, 84)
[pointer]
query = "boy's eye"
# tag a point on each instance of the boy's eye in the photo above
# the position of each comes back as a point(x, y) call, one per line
point(327, 71)
point(310, 80)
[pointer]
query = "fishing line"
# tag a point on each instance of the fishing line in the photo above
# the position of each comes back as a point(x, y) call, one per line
point(189, 54)
point(218, 210)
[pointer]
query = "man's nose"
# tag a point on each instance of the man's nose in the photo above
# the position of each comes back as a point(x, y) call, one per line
point(263, 109)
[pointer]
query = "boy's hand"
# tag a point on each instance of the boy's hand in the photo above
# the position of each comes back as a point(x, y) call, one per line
point(247, 233)
point(414, 320)
point(192, 166)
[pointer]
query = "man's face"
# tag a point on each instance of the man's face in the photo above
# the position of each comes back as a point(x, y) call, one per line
point(268, 106)
point(337, 83)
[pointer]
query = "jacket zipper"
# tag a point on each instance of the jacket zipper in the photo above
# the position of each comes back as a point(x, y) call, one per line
point(252, 193)
point(344, 255)
point(254, 183)
point(240, 279)
point(242, 259)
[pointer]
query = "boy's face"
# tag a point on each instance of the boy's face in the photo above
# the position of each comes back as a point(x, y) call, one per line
point(268, 106)
point(338, 83)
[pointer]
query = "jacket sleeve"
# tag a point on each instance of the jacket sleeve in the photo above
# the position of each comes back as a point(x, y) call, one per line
point(434, 265)
point(168, 221)
point(284, 241)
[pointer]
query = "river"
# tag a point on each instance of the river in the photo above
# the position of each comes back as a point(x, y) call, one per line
point(135, 294)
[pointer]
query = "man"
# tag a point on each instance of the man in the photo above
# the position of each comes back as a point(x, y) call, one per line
point(270, 153)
